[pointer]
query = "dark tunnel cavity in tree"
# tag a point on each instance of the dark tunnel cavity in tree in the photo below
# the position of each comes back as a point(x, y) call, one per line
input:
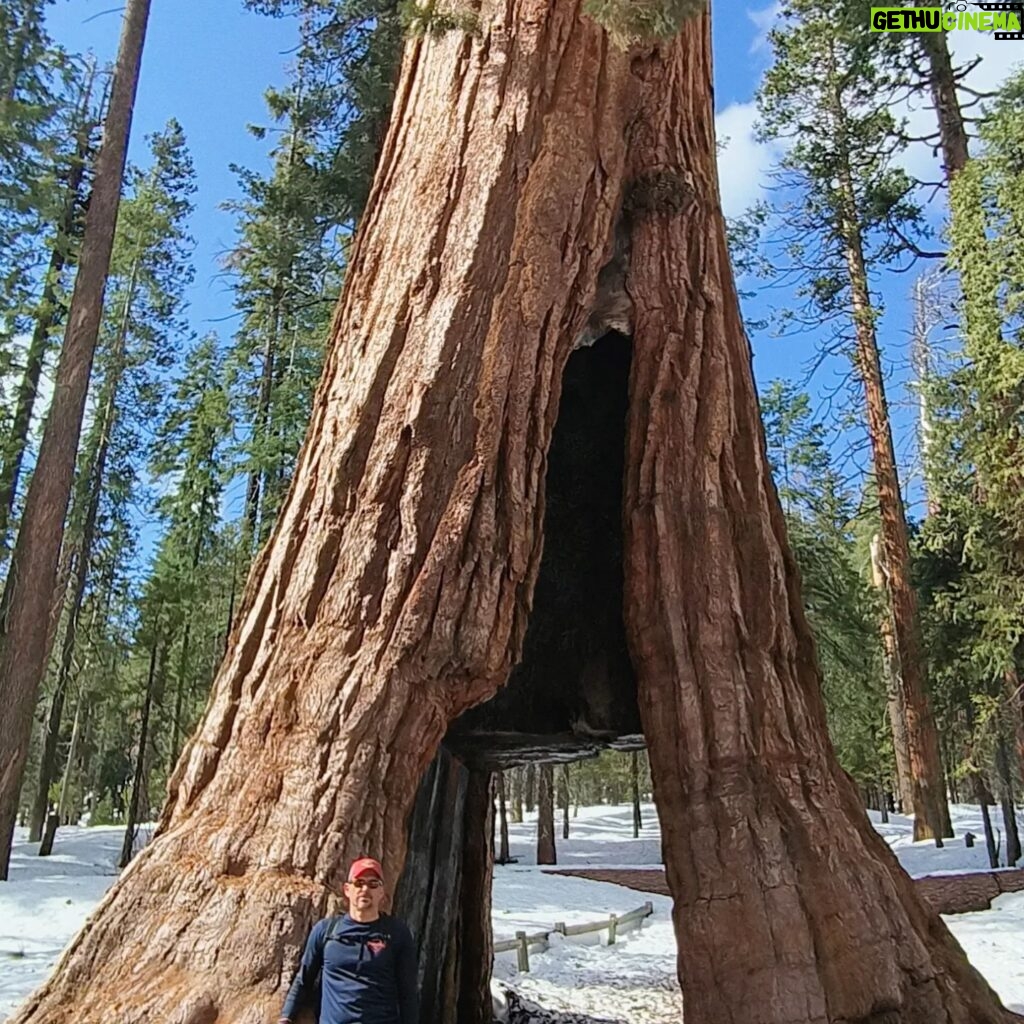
point(574, 689)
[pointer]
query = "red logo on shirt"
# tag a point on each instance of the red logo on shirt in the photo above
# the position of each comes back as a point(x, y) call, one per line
point(376, 945)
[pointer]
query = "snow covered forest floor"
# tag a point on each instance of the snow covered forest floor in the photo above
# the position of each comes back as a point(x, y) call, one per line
point(47, 900)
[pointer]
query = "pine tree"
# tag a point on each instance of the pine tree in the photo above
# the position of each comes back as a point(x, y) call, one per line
point(32, 74)
point(974, 542)
point(32, 575)
point(143, 326)
point(189, 569)
point(546, 853)
point(50, 309)
point(821, 516)
point(295, 227)
point(855, 212)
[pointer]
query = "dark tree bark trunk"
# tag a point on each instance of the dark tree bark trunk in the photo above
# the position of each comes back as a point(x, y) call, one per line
point(931, 811)
point(530, 788)
point(475, 947)
point(546, 853)
point(64, 800)
point(444, 892)
point(503, 851)
point(395, 591)
point(984, 798)
point(1007, 801)
point(565, 796)
point(139, 786)
point(517, 795)
point(33, 573)
point(634, 782)
point(88, 496)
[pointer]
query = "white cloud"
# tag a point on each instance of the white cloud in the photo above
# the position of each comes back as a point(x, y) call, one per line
point(764, 19)
point(743, 162)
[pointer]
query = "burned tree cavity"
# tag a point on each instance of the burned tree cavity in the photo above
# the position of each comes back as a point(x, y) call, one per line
point(574, 688)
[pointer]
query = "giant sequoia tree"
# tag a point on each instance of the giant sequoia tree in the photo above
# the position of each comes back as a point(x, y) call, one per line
point(396, 589)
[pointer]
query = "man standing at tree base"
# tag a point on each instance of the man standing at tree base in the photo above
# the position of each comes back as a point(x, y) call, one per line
point(359, 968)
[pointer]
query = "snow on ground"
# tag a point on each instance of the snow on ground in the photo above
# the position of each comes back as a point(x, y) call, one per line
point(47, 899)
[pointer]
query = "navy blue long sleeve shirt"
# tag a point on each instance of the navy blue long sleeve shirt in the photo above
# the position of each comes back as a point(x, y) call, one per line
point(368, 973)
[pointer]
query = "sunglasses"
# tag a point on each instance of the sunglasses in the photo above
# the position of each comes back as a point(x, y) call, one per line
point(366, 883)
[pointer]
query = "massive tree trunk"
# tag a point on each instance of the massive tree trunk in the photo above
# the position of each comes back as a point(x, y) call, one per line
point(33, 573)
point(395, 591)
point(763, 834)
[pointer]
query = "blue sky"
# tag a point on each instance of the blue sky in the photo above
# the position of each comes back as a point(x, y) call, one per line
point(208, 62)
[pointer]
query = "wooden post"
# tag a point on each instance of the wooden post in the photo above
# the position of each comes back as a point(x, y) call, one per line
point(560, 927)
point(613, 926)
point(523, 952)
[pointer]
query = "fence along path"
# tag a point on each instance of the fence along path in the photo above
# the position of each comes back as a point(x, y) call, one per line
point(614, 923)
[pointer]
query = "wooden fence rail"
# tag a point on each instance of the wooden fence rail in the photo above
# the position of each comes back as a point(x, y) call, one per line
point(541, 940)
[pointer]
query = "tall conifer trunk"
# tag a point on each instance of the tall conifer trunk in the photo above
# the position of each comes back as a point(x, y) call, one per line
point(546, 853)
point(927, 780)
point(32, 577)
point(895, 702)
point(396, 588)
point(48, 314)
point(89, 492)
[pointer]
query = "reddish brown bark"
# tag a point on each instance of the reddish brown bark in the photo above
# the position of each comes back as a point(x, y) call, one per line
point(895, 705)
point(931, 810)
point(946, 102)
point(33, 574)
point(763, 834)
point(395, 590)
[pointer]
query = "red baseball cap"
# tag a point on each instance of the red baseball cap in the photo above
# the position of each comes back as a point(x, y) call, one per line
point(365, 866)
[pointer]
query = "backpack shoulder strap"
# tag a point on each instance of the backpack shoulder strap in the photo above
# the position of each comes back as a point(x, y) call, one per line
point(333, 927)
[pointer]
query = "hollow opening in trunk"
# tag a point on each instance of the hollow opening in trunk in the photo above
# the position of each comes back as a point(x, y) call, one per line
point(574, 688)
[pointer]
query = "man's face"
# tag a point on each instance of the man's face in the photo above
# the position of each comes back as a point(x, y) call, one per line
point(365, 894)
